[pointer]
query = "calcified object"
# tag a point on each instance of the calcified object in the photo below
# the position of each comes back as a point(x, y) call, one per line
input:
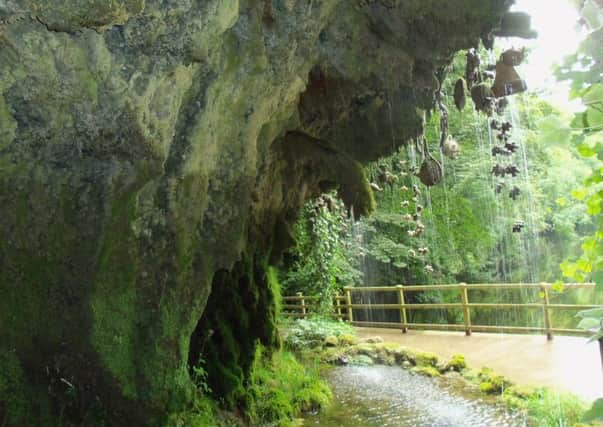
point(516, 24)
point(407, 217)
point(494, 125)
point(423, 251)
point(420, 229)
point(483, 98)
point(513, 57)
point(416, 216)
point(511, 146)
point(405, 204)
point(415, 190)
point(419, 208)
point(412, 253)
point(472, 68)
point(431, 171)
point(498, 170)
point(507, 81)
point(501, 105)
point(376, 187)
point(460, 98)
point(515, 192)
point(517, 226)
point(512, 170)
point(488, 75)
point(498, 150)
point(451, 148)
point(500, 185)
point(505, 127)
point(404, 188)
point(429, 268)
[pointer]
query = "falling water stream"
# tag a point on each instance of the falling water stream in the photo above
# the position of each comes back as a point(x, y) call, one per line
point(381, 396)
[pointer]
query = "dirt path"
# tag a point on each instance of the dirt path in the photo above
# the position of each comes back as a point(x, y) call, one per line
point(566, 363)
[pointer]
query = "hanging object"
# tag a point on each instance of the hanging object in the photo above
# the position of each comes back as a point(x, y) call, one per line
point(460, 88)
point(472, 72)
point(451, 148)
point(517, 226)
point(515, 192)
point(513, 57)
point(431, 171)
point(483, 98)
point(507, 82)
point(516, 24)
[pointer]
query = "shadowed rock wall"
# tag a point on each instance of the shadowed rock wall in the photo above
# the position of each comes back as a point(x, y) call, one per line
point(155, 152)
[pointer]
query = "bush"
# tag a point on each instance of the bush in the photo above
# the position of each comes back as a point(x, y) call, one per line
point(312, 333)
point(281, 389)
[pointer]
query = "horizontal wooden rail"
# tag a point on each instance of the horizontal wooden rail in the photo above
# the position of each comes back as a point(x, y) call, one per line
point(343, 307)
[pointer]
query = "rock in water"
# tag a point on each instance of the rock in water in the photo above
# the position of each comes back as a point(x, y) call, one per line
point(152, 157)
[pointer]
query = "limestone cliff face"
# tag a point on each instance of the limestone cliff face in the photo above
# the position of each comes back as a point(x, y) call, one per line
point(155, 152)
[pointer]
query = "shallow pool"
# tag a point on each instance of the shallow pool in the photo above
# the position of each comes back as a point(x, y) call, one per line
point(378, 396)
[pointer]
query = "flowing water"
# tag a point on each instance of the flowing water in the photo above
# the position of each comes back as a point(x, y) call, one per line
point(380, 396)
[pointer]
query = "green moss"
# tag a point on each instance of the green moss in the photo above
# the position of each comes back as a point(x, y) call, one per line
point(280, 389)
point(421, 358)
point(347, 340)
point(490, 383)
point(427, 371)
point(456, 363)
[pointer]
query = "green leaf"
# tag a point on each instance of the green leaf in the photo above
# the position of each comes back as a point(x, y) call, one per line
point(595, 412)
point(586, 151)
point(589, 323)
point(579, 193)
point(594, 313)
point(596, 337)
point(557, 286)
point(594, 94)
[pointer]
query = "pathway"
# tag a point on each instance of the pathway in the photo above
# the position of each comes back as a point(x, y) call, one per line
point(566, 363)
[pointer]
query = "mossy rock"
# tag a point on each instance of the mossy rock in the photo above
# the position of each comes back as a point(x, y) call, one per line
point(456, 363)
point(347, 340)
point(422, 358)
point(331, 341)
point(491, 383)
point(373, 340)
point(427, 371)
point(361, 360)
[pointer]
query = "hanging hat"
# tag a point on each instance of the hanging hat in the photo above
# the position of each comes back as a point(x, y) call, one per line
point(516, 24)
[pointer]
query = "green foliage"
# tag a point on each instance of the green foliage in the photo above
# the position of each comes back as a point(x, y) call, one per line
point(312, 333)
point(318, 264)
point(583, 70)
point(280, 389)
point(592, 320)
point(595, 412)
point(552, 409)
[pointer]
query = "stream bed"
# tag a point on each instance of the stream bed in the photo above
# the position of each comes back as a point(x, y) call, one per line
point(378, 396)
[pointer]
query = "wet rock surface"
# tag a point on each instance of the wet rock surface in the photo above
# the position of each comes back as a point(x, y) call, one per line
point(153, 155)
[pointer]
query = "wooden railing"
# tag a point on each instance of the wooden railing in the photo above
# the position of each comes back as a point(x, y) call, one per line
point(343, 308)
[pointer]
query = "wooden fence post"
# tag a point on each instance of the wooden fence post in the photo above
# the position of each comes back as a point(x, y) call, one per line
point(348, 301)
point(302, 303)
point(401, 301)
point(546, 312)
point(466, 312)
point(338, 305)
